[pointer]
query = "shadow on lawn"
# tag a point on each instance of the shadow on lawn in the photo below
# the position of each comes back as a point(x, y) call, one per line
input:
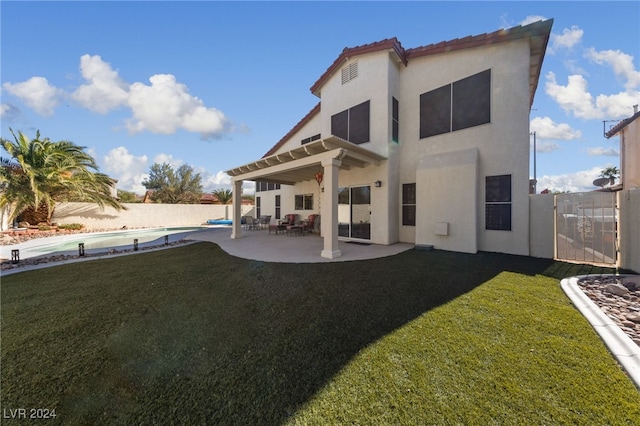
point(245, 342)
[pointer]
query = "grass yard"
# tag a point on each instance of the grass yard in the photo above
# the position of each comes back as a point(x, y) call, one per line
point(192, 335)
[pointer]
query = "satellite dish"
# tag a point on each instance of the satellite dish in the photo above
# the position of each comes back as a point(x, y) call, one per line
point(601, 181)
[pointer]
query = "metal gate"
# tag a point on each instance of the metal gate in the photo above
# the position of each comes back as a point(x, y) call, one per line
point(586, 227)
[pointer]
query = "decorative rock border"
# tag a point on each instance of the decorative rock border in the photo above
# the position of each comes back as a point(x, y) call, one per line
point(620, 343)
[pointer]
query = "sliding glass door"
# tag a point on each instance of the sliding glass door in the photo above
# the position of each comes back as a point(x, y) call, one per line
point(354, 212)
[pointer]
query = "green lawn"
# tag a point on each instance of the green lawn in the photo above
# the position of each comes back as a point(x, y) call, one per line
point(192, 335)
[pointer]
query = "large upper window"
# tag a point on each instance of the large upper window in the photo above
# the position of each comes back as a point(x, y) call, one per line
point(352, 124)
point(409, 204)
point(498, 202)
point(460, 105)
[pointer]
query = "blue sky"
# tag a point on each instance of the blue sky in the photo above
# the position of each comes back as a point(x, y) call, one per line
point(217, 84)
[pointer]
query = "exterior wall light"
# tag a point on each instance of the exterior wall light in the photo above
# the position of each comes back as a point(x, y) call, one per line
point(378, 184)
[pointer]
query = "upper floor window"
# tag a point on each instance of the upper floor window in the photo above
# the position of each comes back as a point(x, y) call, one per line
point(395, 120)
point(352, 124)
point(349, 72)
point(456, 106)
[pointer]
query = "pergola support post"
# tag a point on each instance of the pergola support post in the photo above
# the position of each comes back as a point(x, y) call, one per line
point(329, 212)
point(236, 226)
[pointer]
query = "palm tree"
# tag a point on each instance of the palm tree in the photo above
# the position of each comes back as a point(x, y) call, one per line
point(225, 196)
point(611, 173)
point(40, 173)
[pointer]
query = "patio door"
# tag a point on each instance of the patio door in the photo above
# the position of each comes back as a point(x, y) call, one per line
point(354, 212)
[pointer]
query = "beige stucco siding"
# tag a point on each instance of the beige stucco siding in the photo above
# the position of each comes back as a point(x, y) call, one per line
point(503, 144)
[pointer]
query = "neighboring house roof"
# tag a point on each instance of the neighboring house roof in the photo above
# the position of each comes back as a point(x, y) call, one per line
point(538, 34)
point(621, 125)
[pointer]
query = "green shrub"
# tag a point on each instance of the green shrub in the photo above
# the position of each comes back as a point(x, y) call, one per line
point(44, 228)
point(71, 226)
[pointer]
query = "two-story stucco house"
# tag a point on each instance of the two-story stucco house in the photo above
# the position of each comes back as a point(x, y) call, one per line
point(629, 131)
point(426, 145)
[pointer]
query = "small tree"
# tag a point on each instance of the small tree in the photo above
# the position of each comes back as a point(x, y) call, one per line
point(611, 173)
point(169, 186)
point(225, 196)
point(128, 197)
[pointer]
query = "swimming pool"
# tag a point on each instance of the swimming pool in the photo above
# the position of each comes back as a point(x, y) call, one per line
point(99, 241)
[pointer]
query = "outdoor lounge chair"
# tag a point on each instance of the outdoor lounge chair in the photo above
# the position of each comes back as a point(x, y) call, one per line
point(309, 225)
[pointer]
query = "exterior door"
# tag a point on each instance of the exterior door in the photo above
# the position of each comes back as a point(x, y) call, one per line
point(354, 212)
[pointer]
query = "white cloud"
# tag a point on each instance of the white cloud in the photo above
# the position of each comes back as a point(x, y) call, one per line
point(606, 152)
point(211, 182)
point(546, 128)
point(566, 40)
point(621, 63)
point(546, 147)
point(105, 90)
point(9, 112)
point(128, 169)
point(168, 158)
point(531, 19)
point(166, 106)
point(574, 98)
point(37, 93)
point(581, 181)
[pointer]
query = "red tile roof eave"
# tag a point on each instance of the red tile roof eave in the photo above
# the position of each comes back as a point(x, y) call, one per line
point(348, 52)
point(314, 111)
point(621, 125)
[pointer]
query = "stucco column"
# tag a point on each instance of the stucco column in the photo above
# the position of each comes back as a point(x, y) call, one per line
point(329, 219)
point(236, 226)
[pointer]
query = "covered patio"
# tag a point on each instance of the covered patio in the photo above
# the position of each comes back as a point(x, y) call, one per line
point(265, 247)
point(326, 156)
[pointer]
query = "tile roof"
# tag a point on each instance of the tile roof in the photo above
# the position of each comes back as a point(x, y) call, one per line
point(621, 125)
point(537, 32)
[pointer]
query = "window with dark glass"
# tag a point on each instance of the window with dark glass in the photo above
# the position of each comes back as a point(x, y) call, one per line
point(471, 101)
point(498, 202)
point(352, 124)
point(304, 202)
point(460, 105)
point(409, 204)
point(435, 112)
point(277, 207)
point(258, 207)
point(266, 186)
point(395, 120)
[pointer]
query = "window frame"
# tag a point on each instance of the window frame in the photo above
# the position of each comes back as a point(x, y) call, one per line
point(353, 124)
point(498, 214)
point(409, 204)
point(303, 202)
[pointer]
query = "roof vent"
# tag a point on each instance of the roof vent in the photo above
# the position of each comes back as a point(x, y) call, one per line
point(349, 72)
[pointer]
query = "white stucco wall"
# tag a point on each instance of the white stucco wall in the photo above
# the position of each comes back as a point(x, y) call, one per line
point(630, 144)
point(140, 215)
point(446, 201)
point(503, 144)
point(629, 229)
point(542, 226)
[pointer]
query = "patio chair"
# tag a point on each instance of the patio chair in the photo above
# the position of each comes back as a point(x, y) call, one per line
point(264, 222)
point(309, 225)
point(250, 223)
